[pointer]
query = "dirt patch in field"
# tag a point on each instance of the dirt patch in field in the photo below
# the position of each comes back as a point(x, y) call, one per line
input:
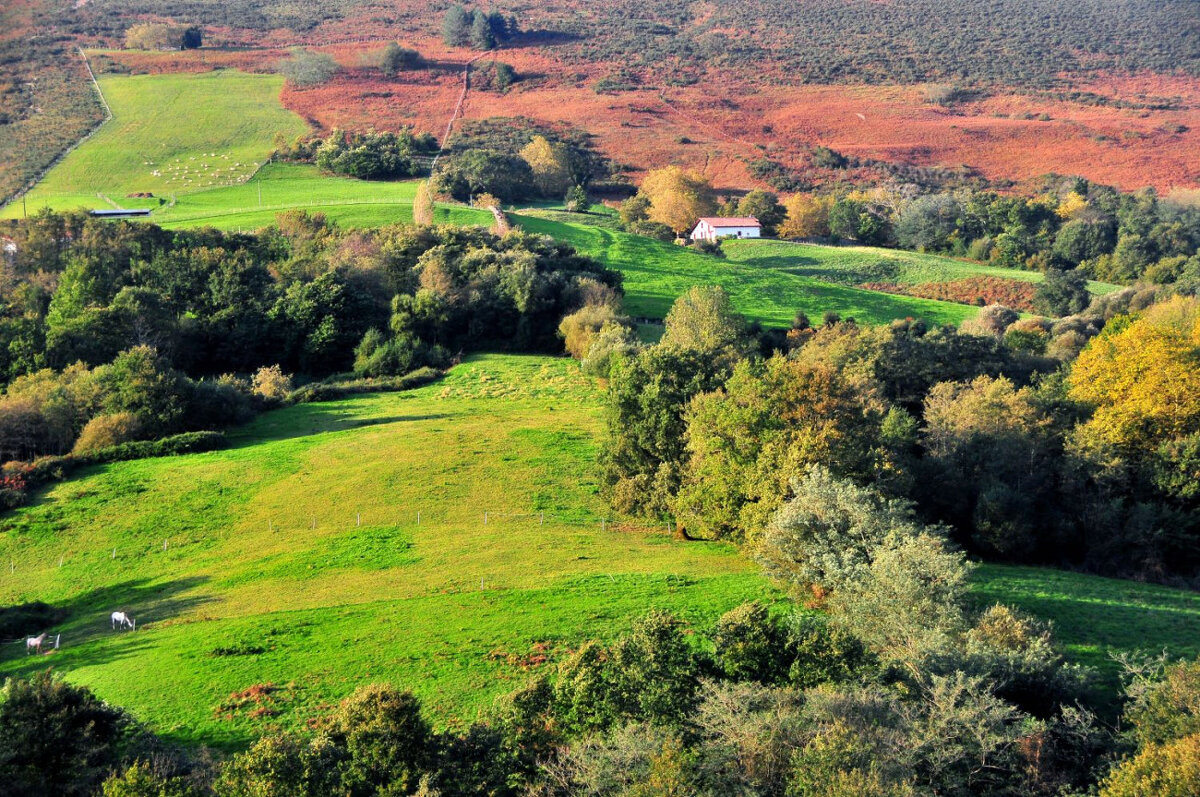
point(978, 291)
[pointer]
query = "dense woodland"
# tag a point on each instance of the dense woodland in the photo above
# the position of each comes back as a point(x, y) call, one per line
point(1083, 454)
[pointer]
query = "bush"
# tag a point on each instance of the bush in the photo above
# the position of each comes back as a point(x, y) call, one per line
point(271, 383)
point(403, 352)
point(611, 342)
point(373, 156)
point(1167, 770)
point(390, 744)
point(24, 618)
point(306, 69)
point(580, 329)
point(105, 431)
point(395, 58)
point(333, 391)
point(749, 645)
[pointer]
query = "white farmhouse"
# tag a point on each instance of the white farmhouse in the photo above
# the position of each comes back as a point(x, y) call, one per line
point(710, 229)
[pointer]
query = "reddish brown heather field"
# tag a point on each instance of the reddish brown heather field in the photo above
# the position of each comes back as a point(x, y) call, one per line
point(723, 121)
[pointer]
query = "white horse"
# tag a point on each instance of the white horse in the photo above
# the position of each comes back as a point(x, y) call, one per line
point(36, 642)
point(122, 620)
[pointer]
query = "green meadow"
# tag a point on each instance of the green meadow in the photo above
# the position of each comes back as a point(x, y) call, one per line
point(170, 135)
point(657, 272)
point(859, 264)
point(296, 557)
point(272, 578)
point(283, 186)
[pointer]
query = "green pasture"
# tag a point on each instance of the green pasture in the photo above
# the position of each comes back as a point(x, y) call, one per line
point(657, 272)
point(296, 558)
point(283, 186)
point(1095, 618)
point(855, 265)
point(170, 135)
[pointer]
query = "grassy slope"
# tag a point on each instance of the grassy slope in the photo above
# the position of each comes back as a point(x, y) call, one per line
point(196, 131)
point(438, 607)
point(453, 608)
point(842, 263)
point(657, 272)
point(278, 187)
point(1096, 617)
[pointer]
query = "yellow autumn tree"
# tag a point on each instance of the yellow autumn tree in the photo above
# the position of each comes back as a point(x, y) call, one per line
point(1071, 206)
point(551, 168)
point(807, 216)
point(423, 205)
point(678, 198)
point(1142, 375)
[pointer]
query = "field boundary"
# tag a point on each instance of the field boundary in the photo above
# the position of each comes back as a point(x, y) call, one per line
point(108, 115)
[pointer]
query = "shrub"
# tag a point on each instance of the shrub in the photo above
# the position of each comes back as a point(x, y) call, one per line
point(333, 391)
point(271, 383)
point(395, 58)
point(23, 618)
point(399, 354)
point(305, 68)
point(991, 320)
point(1167, 770)
point(390, 744)
point(611, 342)
point(580, 329)
point(105, 431)
point(749, 645)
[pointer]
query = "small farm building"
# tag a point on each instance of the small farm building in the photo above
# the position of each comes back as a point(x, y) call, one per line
point(119, 213)
point(710, 229)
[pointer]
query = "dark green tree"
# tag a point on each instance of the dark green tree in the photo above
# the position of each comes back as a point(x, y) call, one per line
point(56, 738)
point(456, 26)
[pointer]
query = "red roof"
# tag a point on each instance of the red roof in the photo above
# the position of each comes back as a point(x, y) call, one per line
point(732, 221)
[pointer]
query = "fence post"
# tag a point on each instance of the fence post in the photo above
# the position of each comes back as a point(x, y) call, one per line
point(603, 524)
point(418, 517)
point(114, 555)
point(60, 559)
point(484, 521)
point(541, 518)
point(359, 517)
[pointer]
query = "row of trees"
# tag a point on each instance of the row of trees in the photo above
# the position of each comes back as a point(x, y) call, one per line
point(85, 295)
point(1073, 226)
point(1079, 458)
point(372, 156)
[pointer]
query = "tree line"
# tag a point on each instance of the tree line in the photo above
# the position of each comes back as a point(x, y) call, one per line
point(1073, 230)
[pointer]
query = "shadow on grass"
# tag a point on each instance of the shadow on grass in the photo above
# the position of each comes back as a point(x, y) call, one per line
point(304, 420)
point(87, 620)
